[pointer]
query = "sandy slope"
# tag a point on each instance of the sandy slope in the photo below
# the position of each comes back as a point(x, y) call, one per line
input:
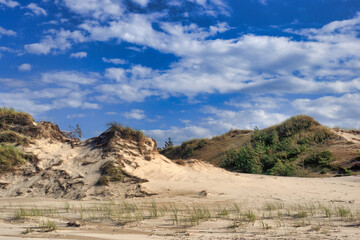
point(76, 169)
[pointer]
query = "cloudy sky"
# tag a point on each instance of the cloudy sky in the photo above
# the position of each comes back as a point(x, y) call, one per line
point(181, 68)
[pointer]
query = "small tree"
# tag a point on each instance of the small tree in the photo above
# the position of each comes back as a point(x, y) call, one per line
point(169, 143)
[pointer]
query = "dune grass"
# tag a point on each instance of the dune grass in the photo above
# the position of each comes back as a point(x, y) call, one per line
point(126, 132)
point(10, 157)
point(271, 215)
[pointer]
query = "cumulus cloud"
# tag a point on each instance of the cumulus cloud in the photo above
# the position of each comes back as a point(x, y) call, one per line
point(36, 9)
point(25, 67)
point(98, 9)
point(250, 63)
point(6, 32)
point(56, 41)
point(79, 55)
point(136, 114)
point(342, 111)
point(9, 3)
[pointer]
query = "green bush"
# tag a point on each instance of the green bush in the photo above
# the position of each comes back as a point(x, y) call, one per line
point(276, 149)
point(319, 159)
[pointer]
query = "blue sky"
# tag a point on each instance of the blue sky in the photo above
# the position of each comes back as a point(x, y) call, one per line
point(181, 68)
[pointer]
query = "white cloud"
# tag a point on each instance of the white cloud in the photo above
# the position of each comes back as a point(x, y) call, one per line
point(75, 115)
point(25, 67)
point(70, 79)
point(142, 3)
point(99, 9)
point(36, 9)
point(57, 41)
point(250, 63)
point(117, 61)
point(12, 83)
point(79, 55)
point(9, 3)
point(263, 2)
point(218, 122)
point(137, 114)
point(6, 32)
point(342, 111)
point(178, 134)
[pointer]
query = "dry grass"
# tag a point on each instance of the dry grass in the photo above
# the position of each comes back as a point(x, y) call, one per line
point(272, 215)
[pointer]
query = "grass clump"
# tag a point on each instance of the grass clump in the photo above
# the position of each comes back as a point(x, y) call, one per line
point(10, 117)
point(10, 157)
point(127, 132)
point(12, 137)
point(110, 172)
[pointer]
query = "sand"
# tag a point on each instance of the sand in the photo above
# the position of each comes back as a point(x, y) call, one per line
point(299, 212)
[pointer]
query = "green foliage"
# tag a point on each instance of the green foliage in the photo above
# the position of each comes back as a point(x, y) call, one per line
point(276, 150)
point(127, 132)
point(110, 172)
point(283, 169)
point(169, 143)
point(10, 157)
point(186, 149)
point(319, 159)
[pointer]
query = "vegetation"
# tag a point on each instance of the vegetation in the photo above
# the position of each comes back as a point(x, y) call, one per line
point(10, 157)
point(110, 172)
point(127, 132)
point(271, 215)
point(12, 137)
point(210, 150)
point(8, 117)
point(278, 150)
point(169, 143)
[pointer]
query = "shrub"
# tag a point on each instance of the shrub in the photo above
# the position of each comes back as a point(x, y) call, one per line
point(319, 159)
point(283, 169)
point(275, 150)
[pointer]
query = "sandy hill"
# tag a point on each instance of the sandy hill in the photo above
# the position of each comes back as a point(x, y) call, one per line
point(37, 159)
point(299, 146)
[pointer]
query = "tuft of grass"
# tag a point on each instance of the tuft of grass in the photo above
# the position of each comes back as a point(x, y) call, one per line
point(8, 117)
point(12, 137)
point(111, 172)
point(48, 226)
point(10, 157)
point(127, 132)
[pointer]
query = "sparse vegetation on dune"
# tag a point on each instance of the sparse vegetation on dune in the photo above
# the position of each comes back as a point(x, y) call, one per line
point(297, 146)
point(110, 172)
point(300, 146)
point(210, 150)
point(10, 158)
point(235, 217)
point(126, 132)
point(8, 117)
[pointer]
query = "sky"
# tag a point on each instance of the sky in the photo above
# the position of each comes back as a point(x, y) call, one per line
point(181, 68)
